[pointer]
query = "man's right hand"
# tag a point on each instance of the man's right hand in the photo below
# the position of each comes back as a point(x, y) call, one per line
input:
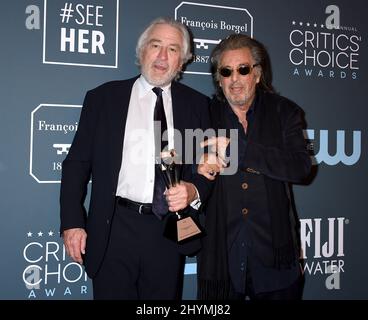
point(209, 166)
point(218, 146)
point(75, 243)
point(215, 161)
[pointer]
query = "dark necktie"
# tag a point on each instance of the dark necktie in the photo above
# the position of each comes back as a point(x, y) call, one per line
point(159, 203)
point(160, 122)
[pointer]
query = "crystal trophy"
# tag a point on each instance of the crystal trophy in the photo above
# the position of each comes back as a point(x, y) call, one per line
point(180, 227)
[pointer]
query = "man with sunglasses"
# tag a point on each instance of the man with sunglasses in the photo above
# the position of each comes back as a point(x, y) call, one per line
point(251, 248)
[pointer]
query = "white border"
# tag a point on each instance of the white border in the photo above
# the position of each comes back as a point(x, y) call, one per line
point(213, 6)
point(81, 64)
point(31, 142)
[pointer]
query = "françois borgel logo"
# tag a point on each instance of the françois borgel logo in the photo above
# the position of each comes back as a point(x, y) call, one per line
point(209, 25)
point(83, 33)
point(53, 127)
point(325, 48)
point(48, 272)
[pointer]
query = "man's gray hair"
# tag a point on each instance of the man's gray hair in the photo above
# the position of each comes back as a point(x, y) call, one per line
point(186, 53)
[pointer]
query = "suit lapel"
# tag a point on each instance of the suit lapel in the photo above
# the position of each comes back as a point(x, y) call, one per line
point(180, 118)
point(179, 110)
point(266, 128)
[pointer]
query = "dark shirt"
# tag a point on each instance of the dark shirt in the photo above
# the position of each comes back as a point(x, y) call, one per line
point(242, 260)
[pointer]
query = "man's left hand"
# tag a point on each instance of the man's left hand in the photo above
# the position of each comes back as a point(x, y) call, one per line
point(180, 196)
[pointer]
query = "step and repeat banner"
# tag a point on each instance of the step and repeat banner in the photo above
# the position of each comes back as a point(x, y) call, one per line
point(53, 51)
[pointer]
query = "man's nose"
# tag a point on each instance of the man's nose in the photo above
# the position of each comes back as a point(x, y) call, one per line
point(234, 75)
point(163, 53)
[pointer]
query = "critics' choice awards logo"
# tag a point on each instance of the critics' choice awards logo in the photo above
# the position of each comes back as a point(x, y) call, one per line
point(81, 33)
point(53, 127)
point(333, 147)
point(210, 24)
point(324, 49)
point(322, 243)
point(48, 273)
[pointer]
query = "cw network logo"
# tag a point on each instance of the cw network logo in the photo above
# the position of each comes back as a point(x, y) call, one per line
point(327, 145)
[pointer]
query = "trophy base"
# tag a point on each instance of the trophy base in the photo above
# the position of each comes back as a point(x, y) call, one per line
point(183, 229)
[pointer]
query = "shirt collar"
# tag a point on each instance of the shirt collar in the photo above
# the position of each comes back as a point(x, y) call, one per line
point(251, 109)
point(253, 105)
point(146, 87)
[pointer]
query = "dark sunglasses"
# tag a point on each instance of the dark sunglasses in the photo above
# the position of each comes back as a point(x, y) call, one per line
point(242, 70)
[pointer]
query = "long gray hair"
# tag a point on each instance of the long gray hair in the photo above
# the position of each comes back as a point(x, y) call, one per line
point(258, 52)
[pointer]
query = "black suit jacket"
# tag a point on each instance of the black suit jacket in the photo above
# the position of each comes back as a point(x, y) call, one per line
point(275, 155)
point(96, 153)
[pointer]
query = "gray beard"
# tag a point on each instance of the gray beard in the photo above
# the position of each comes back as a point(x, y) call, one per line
point(159, 82)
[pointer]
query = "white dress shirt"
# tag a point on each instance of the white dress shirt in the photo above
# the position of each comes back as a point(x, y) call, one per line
point(137, 174)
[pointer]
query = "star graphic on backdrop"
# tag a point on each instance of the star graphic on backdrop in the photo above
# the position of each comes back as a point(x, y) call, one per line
point(308, 24)
point(293, 22)
point(315, 25)
point(300, 23)
point(322, 26)
point(51, 233)
point(29, 234)
point(40, 234)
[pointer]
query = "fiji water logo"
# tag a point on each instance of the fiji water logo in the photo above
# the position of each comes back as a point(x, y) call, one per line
point(323, 252)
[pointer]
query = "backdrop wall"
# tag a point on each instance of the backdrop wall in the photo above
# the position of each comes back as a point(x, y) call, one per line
point(53, 51)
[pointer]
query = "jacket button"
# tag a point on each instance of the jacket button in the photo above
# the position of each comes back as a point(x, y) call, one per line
point(250, 170)
point(245, 186)
point(245, 211)
point(107, 221)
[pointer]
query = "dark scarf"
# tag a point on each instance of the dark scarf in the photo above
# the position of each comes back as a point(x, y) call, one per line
point(213, 275)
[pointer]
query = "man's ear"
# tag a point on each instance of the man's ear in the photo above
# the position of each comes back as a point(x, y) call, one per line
point(258, 79)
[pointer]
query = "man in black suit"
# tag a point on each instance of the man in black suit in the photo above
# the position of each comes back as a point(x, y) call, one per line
point(121, 240)
point(251, 249)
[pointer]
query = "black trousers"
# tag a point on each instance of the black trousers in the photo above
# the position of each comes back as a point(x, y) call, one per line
point(292, 292)
point(139, 264)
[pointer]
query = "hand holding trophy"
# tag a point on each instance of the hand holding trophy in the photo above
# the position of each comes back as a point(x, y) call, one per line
point(180, 227)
